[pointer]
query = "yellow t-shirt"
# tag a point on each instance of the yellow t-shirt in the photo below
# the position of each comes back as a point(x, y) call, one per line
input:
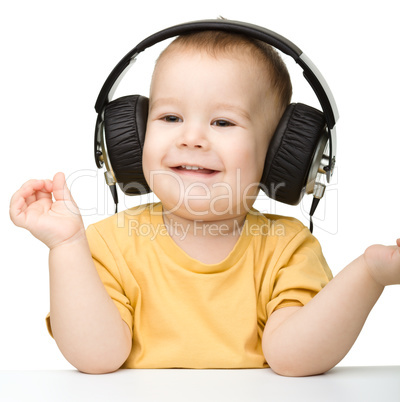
point(184, 313)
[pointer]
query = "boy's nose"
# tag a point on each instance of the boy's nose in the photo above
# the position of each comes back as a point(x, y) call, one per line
point(193, 138)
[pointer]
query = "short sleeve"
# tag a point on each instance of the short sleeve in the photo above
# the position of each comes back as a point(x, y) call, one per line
point(110, 267)
point(300, 273)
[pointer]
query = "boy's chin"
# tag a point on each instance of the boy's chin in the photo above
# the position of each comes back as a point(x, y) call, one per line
point(198, 210)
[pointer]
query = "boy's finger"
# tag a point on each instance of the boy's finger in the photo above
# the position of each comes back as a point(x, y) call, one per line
point(27, 189)
point(60, 189)
point(19, 199)
point(30, 187)
point(45, 191)
point(15, 208)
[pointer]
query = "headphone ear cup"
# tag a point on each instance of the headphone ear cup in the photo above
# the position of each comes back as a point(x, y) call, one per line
point(290, 153)
point(125, 121)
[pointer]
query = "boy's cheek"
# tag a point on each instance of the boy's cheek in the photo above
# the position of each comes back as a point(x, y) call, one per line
point(166, 185)
point(150, 154)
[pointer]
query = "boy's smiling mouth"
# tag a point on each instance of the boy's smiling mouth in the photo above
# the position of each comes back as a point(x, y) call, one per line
point(190, 167)
point(193, 169)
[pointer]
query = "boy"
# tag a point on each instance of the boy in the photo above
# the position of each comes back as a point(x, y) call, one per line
point(201, 280)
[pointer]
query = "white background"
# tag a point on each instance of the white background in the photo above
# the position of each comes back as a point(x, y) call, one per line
point(56, 55)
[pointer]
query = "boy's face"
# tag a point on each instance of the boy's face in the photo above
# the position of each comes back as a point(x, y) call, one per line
point(207, 135)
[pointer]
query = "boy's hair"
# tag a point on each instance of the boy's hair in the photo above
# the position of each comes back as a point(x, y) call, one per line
point(217, 43)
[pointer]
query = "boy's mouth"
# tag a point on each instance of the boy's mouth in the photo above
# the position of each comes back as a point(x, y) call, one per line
point(194, 169)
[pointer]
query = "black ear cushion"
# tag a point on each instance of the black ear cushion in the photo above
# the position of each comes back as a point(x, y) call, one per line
point(125, 121)
point(290, 153)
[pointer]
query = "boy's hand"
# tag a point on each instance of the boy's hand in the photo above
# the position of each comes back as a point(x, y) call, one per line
point(383, 263)
point(52, 222)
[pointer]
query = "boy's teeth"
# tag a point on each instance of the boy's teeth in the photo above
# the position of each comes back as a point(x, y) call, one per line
point(191, 167)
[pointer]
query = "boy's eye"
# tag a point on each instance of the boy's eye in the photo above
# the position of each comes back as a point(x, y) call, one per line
point(171, 119)
point(222, 123)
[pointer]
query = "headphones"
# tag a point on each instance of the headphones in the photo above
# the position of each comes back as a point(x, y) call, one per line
point(302, 150)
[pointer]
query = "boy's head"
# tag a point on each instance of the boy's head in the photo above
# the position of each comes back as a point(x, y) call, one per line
point(215, 101)
point(219, 44)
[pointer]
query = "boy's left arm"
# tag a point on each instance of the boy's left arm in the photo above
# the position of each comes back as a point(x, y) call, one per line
point(301, 341)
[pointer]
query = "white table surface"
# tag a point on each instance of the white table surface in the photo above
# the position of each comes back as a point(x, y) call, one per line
point(341, 384)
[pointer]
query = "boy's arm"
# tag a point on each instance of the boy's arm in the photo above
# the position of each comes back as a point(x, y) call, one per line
point(85, 323)
point(301, 341)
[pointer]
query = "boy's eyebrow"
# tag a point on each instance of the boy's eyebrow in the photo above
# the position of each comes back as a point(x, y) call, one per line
point(225, 106)
point(234, 108)
point(162, 101)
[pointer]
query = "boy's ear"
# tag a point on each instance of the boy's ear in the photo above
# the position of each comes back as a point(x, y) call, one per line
point(291, 153)
point(125, 121)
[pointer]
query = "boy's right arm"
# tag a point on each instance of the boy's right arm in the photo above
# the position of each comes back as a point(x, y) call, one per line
point(85, 322)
